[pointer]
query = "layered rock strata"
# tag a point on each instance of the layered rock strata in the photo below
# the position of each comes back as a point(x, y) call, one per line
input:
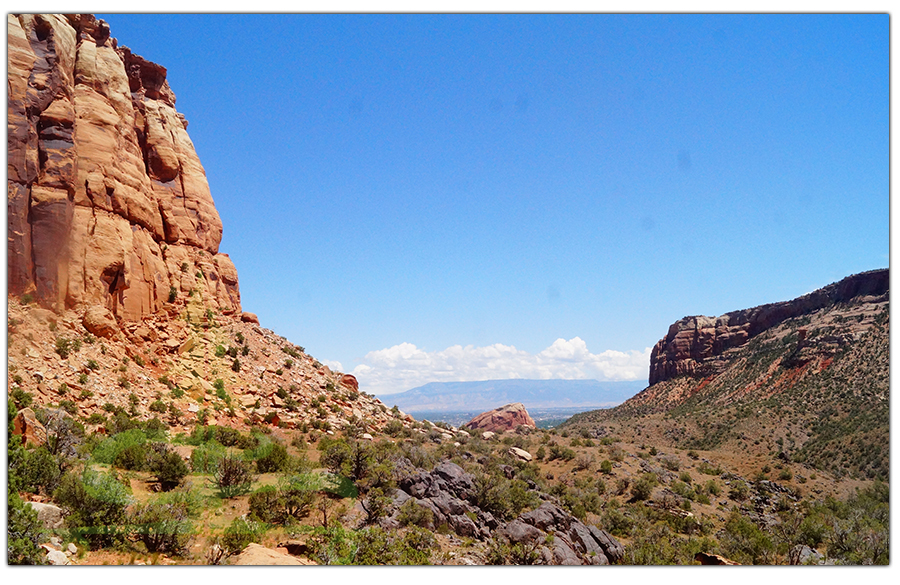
point(693, 344)
point(108, 204)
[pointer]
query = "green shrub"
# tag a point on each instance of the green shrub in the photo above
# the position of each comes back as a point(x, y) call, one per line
point(21, 398)
point(232, 476)
point(745, 542)
point(236, 365)
point(163, 524)
point(170, 469)
point(276, 459)
point(133, 457)
point(109, 449)
point(24, 532)
point(739, 490)
point(413, 514)
point(96, 504)
point(643, 487)
point(240, 533)
point(96, 419)
point(37, 470)
point(63, 347)
point(205, 458)
point(158, 406)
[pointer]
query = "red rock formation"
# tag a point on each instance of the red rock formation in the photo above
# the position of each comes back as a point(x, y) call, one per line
point(505, 418)
point(350, 381)
point(29, 428)
point(693, 344)
point(107, 201)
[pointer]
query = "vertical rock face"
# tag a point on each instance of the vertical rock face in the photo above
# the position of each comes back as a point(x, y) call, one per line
point(692, 344)
point(107, 201)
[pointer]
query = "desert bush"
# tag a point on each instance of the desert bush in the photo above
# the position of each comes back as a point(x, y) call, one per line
point(169, 469)
point(164, 523)
point(206, 457)
point(95, 503)
point(739, 490)
point(413, 514)
point(109, 449)
point(745, 542)
point(134, 457)
point(232, 476)
point(37, 470)
point(240, 533)
point(616, 453)
point(584, 461)
point(24, 532)
point(21, 398)
point(643, 487)
point(276, 459)
point(264, 504)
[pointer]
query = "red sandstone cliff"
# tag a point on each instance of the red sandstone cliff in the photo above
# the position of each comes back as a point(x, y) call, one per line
point(692, 344)
point(107, 201)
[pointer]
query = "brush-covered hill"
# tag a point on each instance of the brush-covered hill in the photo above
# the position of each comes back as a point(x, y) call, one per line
point(806, 380)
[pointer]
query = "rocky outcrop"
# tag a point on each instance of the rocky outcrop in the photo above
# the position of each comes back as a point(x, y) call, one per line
point(505, 418)
point(256, 554)
point(108, 204)
point(693, 344)
point(448, 493)
point(573, 542)
point(29, 428)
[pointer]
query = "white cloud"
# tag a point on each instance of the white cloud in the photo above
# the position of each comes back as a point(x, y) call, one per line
point(405, 366)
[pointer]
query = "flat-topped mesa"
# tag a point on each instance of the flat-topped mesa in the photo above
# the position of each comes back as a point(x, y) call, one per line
point(107, 201)
point(693, 343)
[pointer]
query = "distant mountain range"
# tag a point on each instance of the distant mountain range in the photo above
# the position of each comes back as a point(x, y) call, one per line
point(488, 394)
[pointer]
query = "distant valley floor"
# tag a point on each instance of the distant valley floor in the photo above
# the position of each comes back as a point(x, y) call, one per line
point(545, 418)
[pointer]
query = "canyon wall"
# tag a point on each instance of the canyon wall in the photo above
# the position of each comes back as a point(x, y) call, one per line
point(691, 346)
point(107, 201)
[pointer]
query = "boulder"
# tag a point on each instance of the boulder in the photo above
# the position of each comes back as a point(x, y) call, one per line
point(711, 559)
point(249, 318)
point(50, 516)
point(520, 454)
point(99, 321)
point(57, 557)
point(29, 427)
point(256, 554)
point(505, 418)
point(804, 555)
point(350, 381)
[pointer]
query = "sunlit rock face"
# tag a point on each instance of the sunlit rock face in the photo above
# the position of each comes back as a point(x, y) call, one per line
point(107, 201)
point(694, 346)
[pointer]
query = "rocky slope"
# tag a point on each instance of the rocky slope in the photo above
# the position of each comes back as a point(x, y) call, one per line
point(117, 291)
point(108, 204)
point(807, 378)
point(697, 346)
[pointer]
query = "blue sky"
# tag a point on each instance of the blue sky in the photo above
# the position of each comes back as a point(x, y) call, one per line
point(419, 198)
